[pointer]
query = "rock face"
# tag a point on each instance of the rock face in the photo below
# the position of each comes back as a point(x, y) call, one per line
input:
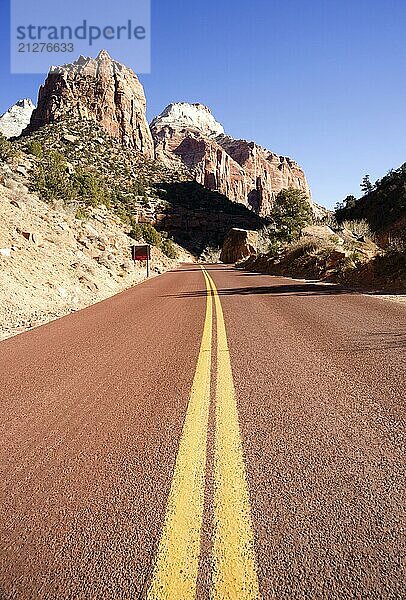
point(246, 173)
point(99, 89)
point(16, 119)
point(239, 244)
point(199, 219)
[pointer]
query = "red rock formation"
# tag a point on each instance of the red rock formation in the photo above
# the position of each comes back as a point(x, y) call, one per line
point(100, 89)
point(243, 171)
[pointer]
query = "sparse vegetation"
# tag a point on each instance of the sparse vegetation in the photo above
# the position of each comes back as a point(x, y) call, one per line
point(148, 234)
point(7, 150)
point(81, 213)
point(169, 248)
point(360, 228)
point(52, 180)
point(383, 204)
point(90, 187)
point(35, 148)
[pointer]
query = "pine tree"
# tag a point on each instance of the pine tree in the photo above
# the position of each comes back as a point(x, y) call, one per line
point(366, 185)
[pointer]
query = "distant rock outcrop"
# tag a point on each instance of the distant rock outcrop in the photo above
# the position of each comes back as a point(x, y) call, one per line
point(188, 134)
point(239, 244)
point(16, 119)
point(99, 89)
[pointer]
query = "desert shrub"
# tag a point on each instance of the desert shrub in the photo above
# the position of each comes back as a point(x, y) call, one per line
point(7, 150)
point(360, 228)
point(138, 187)
point(391, 265)
point(150, 235)
point(354, 259)
point(136, 232)
point(382, 205)
point(51, 178)
point(91, 188)
point(307, 246)
point(35, 148)
point(274, 247)
point(147, 233)
point(397, 243)
point(169, 248)
point(81, 213)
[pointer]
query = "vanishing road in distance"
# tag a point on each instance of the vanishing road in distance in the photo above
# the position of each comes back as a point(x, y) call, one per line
point(210, 433)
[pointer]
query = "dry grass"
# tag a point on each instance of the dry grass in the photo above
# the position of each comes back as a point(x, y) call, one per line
point(359, 228)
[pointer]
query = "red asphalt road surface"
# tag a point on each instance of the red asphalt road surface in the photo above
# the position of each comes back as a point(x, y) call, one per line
point(92, 408)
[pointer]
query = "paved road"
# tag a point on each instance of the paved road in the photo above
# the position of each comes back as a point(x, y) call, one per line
point(207, 434)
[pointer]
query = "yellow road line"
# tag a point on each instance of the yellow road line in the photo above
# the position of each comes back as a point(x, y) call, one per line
point(176, 569)
point(234, 575)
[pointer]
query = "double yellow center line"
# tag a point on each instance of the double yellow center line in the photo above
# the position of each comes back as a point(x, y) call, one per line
point(176, 569)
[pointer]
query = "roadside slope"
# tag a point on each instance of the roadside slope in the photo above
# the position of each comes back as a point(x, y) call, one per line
point(53, 263)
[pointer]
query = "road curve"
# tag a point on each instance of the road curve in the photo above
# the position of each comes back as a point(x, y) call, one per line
point(226, 434)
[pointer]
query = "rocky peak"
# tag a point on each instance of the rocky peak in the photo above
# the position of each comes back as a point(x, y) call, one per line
point(196, 117)
point(16, 118)
point(102, 90)
point(241, 170)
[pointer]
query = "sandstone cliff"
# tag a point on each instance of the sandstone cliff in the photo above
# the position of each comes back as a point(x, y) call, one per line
point(99, 89)
point(246, 173)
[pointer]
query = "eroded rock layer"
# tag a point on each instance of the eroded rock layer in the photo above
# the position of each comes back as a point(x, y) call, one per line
point(243, 171)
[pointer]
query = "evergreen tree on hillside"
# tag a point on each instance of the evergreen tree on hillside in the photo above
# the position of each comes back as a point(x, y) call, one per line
point(381, 206)
point(366, 185)
point(350, 201)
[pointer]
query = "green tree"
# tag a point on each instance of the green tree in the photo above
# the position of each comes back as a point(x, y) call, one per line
point(51, 178)
point(169, 248)
point(366, 185)
point(150, 235)
point(290, 214)
point(350, 201)
point(92, 188)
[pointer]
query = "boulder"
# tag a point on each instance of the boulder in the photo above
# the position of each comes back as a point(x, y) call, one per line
point(321, 232)
point(239, 244)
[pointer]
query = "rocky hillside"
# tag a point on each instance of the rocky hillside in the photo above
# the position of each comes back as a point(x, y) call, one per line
point(100, 89)
point(54, 259)
point(383, 207)
point(341, 255)
point(138, 189)
point(15, 120)
point(243, 171)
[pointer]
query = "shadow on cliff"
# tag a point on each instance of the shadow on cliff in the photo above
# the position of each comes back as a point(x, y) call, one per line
point(198, 218)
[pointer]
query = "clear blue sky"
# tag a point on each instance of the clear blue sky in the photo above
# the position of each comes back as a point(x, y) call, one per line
point(322, 81)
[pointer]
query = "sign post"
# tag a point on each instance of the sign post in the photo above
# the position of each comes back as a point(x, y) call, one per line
point(142, 253)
